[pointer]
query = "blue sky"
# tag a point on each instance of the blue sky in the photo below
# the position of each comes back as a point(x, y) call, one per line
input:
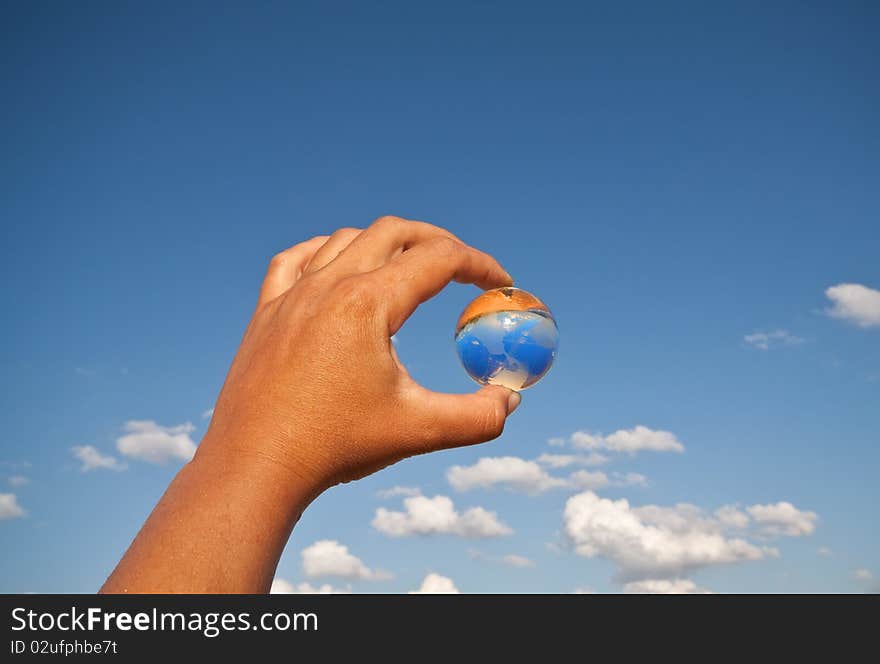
point(669, 179)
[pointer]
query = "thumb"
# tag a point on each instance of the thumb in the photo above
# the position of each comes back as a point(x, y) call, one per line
point(454, 420)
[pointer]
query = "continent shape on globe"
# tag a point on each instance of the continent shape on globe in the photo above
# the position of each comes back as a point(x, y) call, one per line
point(508, 337)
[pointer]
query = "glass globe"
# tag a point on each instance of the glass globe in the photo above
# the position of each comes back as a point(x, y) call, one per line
point(507, 337)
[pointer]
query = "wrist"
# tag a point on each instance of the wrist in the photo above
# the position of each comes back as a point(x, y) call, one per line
point(225, 520)
point(258, 479)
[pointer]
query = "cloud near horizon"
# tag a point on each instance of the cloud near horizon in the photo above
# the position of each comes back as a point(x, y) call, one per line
point(396, 491)
point(330, 558)
point(147, 441)
point(628, 441)
point(91, 459)
point(283, 587)
point(656, 542)
point(436, 584)
point(438, 516)
point(664, 587)
point(524, 476)
point(783, 518)
point(510, 559)
point(566, 460)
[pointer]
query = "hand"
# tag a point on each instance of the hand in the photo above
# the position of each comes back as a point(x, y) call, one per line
point(316, 387)
point(315, 396)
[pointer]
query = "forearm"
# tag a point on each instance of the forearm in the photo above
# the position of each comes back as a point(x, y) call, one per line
point(220, 528)
point(315, 396)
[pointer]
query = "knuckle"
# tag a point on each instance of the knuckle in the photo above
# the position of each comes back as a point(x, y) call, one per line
point(277, 261)
point(446, 247)
point(310, 285)
point(344, 232)
point(355, 292)
point(433, 230)
point(494, 419)
point(389, 223)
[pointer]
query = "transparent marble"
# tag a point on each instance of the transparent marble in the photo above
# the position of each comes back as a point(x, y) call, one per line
point(507, 337)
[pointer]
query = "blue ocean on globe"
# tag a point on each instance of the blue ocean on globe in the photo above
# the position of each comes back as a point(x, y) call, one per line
point(509, 348)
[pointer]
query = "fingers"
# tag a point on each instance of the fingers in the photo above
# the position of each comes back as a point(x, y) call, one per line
point(420, 273)
point(453, 420)
point(416, 259)
point(338, 241)
point(386, 238)
point(286, 268)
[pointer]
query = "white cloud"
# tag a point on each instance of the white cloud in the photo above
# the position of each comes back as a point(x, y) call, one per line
point(208, 414)
point(395, 491)
point(435, 584)
point(148, 441)
point(438, 516)
point(629, 441)
point(9, 507)
point(510, 471)
point(583, 590)
point(664, 587)
point(528, 477)
point(864, 575)
point(330, 558)
point(767, 340)
point(584, 479)
point(566, 460)
point(91, 459)
point(557, 460)
point(651, 542)
point(556, 441)
point(629, 479)
point(730, 516)
point(855, 303)
point(642, 438)
point(783, 518)
point(513, 560)
point(282, 587)
point(824, 551)
point(595, 459)
point(587, 441)
point(18, 480)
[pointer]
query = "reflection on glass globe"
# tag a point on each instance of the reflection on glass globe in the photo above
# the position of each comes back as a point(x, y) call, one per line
point(507, 337)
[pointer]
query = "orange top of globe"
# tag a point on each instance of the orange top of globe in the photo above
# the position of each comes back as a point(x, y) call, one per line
point(500, 299)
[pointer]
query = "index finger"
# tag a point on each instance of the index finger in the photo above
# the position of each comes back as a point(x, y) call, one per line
point(385, 239)
point(420, 273)
point(286, 267)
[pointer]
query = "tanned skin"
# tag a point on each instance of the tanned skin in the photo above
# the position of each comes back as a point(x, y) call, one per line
point(315, 396)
